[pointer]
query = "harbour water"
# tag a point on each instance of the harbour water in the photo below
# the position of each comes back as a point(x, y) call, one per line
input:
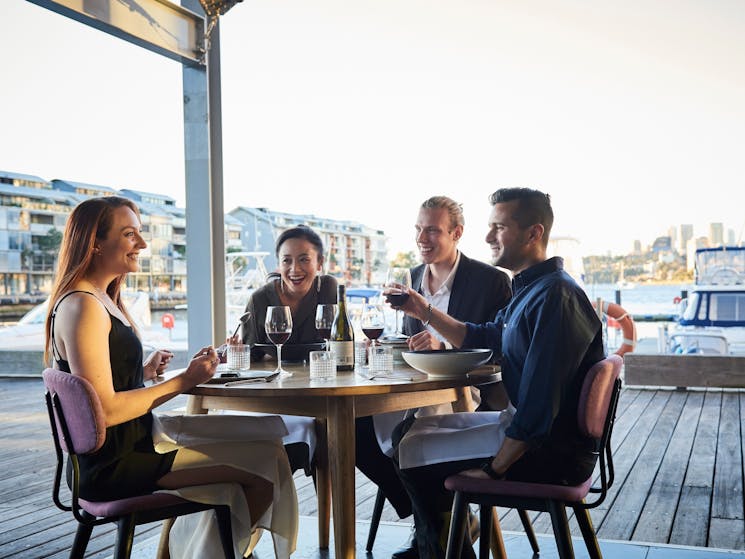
point(643, 300)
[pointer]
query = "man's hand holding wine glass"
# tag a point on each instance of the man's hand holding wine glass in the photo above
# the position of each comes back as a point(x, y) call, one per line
point(402, 298)
point(397, 291)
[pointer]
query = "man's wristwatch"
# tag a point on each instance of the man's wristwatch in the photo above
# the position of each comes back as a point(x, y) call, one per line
point(486, 467)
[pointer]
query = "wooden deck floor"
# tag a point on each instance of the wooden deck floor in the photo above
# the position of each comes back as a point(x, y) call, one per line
point(678, 456)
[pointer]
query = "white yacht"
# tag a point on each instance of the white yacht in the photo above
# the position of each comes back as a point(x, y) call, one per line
point(712, 318)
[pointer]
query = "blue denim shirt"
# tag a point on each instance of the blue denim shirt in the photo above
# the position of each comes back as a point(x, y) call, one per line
point(548, 337)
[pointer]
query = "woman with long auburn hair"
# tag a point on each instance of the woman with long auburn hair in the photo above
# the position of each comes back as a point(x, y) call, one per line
point(90, 334)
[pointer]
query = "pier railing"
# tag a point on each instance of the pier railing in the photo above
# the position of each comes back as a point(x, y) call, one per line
point(710, 371)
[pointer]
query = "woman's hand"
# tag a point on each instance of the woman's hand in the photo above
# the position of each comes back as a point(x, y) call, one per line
point(424, 340)
point(222, 351)
point(156, 363)
point(202, 366)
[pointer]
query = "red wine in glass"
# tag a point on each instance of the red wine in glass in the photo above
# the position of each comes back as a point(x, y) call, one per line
point(399, 282)
point(324, 333)
point(278, 337)
point(372, 333)
point(397, 299)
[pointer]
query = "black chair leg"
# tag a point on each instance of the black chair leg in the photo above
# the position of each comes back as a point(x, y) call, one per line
point(528, 527)
point(375, 520)
point(457, 526)
point(588, 532)
point(125, 533)
point(225, 528)
point(485, 533)
point(80, 543)
point(561, 529)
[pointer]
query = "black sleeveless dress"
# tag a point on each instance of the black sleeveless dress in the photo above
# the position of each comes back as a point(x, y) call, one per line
point(127, 464)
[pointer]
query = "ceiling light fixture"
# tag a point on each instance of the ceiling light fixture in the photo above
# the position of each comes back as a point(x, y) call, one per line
point(214, 9)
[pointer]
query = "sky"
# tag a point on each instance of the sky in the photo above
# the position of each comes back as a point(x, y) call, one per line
point(630, 114)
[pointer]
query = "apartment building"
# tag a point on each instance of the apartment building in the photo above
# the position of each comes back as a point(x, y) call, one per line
point(33, 213)
point(355, 253)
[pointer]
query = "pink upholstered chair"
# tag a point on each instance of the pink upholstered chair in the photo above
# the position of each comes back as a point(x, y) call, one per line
point(595, 415)
point(78, 427)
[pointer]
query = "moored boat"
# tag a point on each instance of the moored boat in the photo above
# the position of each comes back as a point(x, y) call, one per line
point(712, 317)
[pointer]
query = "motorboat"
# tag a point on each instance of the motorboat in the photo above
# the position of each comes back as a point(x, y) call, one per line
point(712, 317)
point(245, 272)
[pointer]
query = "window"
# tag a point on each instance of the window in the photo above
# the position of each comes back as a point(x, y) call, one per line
point(727, 307)
point(43, 219)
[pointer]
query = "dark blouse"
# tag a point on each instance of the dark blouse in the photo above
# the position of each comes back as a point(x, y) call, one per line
point(303, 319)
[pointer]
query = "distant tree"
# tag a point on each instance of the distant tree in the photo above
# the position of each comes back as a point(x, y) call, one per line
point(49, 246)
point(405, 260)
point(51, 241)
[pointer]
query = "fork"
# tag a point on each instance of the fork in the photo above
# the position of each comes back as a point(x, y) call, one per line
point(390, 377)
point(268, 378)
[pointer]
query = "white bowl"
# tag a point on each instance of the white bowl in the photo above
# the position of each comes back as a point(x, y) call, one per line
point(447, 362)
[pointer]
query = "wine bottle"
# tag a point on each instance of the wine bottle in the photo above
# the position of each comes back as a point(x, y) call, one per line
point(342, 334)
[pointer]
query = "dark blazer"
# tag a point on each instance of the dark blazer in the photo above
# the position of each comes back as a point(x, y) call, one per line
point(479, 291)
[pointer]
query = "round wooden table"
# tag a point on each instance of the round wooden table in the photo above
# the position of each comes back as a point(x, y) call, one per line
point(335, 403)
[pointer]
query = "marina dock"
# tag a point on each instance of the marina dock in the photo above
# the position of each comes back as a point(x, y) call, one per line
point(678, 457)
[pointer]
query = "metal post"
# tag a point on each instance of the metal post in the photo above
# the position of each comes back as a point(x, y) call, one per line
point(205, 231)
point(218, 204)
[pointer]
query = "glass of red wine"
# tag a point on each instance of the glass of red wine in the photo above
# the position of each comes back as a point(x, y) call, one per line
point(278, 326)
point(324, 319)
point(398, 282)
point(372, 322)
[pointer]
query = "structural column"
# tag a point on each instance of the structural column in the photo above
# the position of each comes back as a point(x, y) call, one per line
point(205, 229)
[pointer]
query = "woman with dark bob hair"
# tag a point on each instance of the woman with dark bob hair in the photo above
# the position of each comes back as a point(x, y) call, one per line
point(298, 284)
point(89, 334)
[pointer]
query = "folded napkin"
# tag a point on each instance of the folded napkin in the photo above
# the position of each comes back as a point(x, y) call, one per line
point(457, 436)
point(171, 432)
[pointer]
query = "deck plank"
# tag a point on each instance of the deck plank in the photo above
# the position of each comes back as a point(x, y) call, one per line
point(656, 519)
point(622, 518)
point(727, 494)
point(691, 523)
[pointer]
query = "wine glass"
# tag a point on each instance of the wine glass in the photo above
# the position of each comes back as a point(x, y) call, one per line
point(324, 319)
point(372, 322)
point(278, 327)
point(398, 281)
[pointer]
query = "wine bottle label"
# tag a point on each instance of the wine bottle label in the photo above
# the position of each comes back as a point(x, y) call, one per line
point(344, 353)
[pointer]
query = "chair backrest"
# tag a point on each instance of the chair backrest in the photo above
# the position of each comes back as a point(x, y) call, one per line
point(597, 394)
point(78, 416)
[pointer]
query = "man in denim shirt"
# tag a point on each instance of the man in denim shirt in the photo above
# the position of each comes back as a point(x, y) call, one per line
point(547, 337)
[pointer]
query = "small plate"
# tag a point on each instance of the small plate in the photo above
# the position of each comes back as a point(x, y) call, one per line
point(447, 362)
point(292, 352)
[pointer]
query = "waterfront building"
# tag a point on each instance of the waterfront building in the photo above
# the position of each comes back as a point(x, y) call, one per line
point(33, 213)
point(686, 233)
point(693, 245)
point(661, 244)
point(355, 253)
point(716, 234)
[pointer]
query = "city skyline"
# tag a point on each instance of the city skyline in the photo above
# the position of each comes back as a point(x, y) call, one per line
point(632, 119)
